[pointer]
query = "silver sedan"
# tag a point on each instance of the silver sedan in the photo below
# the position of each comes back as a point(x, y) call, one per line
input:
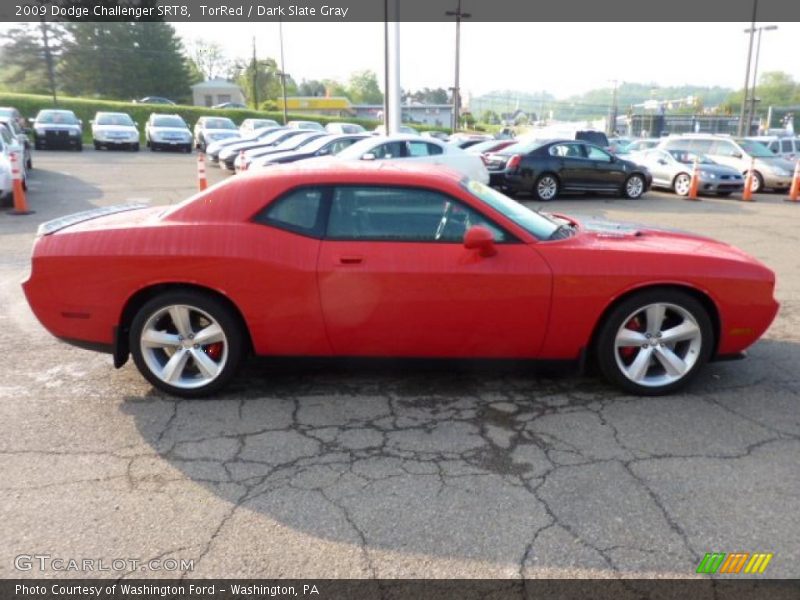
point(672, 169)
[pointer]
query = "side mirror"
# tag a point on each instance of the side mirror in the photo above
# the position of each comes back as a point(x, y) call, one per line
point(481, 239)
point(368, 156)
point(737, 155)
point(661, 161)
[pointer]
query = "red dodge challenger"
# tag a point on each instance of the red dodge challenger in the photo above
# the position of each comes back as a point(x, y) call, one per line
point(382, 260)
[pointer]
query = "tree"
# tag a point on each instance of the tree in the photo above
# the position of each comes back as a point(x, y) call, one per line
point(124, 60)
point(429, 96)
point(490, 117)
point(312, 87)
point(267, 81)
point(363, 88)
point(209, 58)
point(23, 56)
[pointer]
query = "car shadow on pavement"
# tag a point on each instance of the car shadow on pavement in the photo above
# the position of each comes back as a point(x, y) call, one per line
point(397, 470)
point(50, 194)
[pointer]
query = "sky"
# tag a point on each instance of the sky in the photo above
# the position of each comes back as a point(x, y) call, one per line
point(561, 58)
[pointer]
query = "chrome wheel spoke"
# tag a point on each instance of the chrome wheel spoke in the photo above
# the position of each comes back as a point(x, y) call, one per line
point(628, 337)
point(638, 368)
point(209, 335)
point(672, 363)
point(173, 370)
point(685, 331)
point(160, 339)
point(180, 318)
point(655, 318)
point(204, 363)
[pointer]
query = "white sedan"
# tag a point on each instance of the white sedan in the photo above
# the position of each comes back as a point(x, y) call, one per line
point(415, 148)
point(10, 145)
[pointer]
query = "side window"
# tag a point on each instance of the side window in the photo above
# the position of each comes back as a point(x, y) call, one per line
point(298, 212)
point(340, 145)
point(433, 149)
point(786, 146)
point(417, 149)
point(389, 150)
point(595, 153)
point(393, 214)
point(701, 146)
point(567, 151)
point(724, 148)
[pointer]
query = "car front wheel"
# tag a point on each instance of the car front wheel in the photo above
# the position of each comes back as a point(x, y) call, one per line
point(634, 187)
point(654, 342)
point(758, 182)
point(187, 343)
point(682, 184)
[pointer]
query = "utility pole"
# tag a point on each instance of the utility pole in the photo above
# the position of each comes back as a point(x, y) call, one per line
point(386, 67)
point(456, 90)
point(752, 31)
point(255, 76)
point(612, 113)
point(752, 108)
point(283, 72)
point(48, 58)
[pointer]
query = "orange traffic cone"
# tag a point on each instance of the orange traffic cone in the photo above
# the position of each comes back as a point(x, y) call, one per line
point(694, 186)
point(242, 162)
point(202, 182)
point(20, 202)
point(747, 194)
point(794, 192)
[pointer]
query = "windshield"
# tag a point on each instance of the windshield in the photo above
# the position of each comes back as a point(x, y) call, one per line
point(755, 149)
point(531, 221)
point(169, 122)
point(688, 158)
point(219, 123)
point(296, 141)
point(114, 119)
point(522, 147)
point(57, 116)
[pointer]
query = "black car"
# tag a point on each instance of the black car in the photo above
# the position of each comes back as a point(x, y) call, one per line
point(57, 128)
point(546, 168)
point(327, 145)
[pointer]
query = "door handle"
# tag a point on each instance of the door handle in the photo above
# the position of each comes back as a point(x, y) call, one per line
point(351, 260)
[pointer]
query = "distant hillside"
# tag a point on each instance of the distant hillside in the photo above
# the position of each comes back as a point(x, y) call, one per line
point(594, 103)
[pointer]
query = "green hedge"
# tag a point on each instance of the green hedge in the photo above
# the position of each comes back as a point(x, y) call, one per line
point(85, 109)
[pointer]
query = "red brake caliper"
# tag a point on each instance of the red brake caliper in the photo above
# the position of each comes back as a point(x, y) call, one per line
point(214, 350)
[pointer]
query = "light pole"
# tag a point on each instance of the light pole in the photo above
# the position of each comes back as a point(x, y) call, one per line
point(612, 117)
point(752, 108)
point(456, 91)
point(283, 72)
point(752, 31)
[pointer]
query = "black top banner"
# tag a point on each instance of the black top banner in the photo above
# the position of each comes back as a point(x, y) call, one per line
point(676, 11)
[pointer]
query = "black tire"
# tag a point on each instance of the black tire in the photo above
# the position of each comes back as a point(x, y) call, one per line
point(216, 309)
point(135, 147)
point(152, 147)
point(37, 145)
point(7, 200)
point(79, 147)
point(609, 357)
point(549, 182)
point(96, 146)
point(29, 163)
point(634, 187)
point(758, 182)
point(187, 149)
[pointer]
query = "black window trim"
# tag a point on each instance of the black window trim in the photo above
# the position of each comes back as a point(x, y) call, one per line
point(328, 199)
point(321, 223)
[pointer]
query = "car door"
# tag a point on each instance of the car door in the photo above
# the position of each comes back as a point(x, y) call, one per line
point(604, 172)
point(572, 166)
point(396, 280)
point(661, 166)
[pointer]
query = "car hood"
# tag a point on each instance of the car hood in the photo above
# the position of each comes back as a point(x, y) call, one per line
point(718, 169)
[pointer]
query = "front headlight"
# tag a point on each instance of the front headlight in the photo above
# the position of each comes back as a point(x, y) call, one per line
point(707, 175)
point(74, 132)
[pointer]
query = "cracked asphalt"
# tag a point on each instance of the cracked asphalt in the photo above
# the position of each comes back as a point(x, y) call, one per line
point(385, 469)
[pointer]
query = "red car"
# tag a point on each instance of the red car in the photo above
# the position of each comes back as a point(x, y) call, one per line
point(385, 260)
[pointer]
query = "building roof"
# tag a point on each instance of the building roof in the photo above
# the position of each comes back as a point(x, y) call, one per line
point(215, 84)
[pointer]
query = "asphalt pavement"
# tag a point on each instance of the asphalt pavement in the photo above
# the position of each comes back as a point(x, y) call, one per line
point(320, 469)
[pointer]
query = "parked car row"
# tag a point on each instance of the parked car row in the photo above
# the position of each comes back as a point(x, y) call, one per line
point(11, 146)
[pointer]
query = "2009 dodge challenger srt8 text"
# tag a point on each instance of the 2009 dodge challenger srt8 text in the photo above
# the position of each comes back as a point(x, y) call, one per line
point(380, 260)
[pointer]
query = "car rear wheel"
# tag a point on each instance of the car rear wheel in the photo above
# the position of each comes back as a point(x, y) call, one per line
point(758, 182)
point(634, 187)
point(187, 343)
point(546, 187)
point(682, 183)
point(654, 342)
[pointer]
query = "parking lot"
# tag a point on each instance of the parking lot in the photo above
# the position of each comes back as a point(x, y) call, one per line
point(326, 469)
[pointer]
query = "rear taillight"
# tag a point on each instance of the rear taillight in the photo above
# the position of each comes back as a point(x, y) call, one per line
point(514, 161)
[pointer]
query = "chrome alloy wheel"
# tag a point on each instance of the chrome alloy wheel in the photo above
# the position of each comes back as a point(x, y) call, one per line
point(547, 187)
point(634, 187)
point(682, 184)
point(658, 344)
point(184, 346)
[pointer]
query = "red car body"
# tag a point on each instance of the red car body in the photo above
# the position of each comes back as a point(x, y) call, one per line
point(300, 296)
